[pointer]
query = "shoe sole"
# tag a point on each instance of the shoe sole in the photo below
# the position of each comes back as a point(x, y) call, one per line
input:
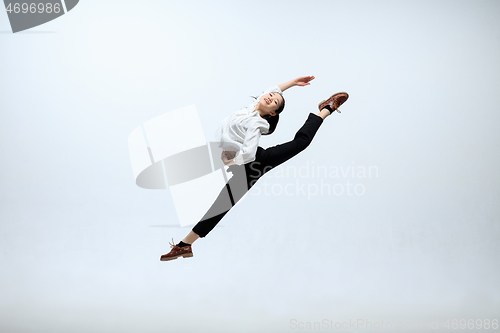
point(342, 92)
point(185, 255)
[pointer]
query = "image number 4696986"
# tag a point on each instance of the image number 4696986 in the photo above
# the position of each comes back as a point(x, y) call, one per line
point(29, 14)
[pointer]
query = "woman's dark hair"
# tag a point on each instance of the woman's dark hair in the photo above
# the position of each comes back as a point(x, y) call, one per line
point(282, 106)
point(273, 120)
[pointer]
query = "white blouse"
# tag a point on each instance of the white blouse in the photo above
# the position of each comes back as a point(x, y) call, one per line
point(241, 131)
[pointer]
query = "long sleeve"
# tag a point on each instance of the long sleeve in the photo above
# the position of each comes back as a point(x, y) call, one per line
point(249, 147)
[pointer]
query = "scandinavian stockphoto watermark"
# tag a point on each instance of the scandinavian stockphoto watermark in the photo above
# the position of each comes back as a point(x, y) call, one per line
point(311, 180)
point(24, 15)
point(384, 325)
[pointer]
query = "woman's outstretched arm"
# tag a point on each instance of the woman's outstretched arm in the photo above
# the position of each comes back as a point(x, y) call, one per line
point(301, 81)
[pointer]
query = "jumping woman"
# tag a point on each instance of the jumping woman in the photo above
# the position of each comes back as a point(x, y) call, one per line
point(238, 136)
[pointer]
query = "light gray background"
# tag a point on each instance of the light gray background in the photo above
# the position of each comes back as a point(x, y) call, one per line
point(80, 242)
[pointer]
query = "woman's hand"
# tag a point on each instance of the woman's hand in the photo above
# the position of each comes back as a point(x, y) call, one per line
point(226, 160)
point(303, 81)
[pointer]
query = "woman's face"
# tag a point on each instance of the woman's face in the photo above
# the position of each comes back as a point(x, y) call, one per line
point(269, 103)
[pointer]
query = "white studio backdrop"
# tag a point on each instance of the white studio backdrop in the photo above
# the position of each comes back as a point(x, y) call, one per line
point(418, 242)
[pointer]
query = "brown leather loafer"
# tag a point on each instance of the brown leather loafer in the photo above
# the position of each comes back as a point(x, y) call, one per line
point(177, 252)
point(335, 101)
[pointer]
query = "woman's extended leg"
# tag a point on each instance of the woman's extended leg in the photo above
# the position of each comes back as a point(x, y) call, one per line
point(267, 159)
point(243, 177)
point(270, 158)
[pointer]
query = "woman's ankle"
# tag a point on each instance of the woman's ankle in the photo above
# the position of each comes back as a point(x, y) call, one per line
point(324, 113)
point(191, 237)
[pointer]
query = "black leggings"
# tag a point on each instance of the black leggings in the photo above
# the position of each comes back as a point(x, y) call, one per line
point(246, 175)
